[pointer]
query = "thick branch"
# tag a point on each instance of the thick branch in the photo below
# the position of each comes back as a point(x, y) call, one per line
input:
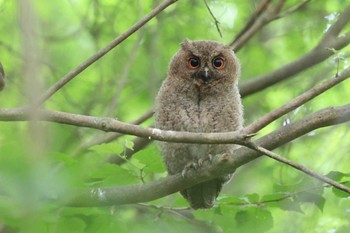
point(72, 74)
point(221, 164)
point(112, 125)
point(336, 28)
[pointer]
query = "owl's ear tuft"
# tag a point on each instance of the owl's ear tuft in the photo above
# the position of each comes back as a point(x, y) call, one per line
point(186, 44)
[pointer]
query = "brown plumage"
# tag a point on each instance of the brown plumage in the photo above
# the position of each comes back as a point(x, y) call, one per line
point(200, 94)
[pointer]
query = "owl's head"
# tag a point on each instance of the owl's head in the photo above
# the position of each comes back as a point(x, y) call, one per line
point(205, 63)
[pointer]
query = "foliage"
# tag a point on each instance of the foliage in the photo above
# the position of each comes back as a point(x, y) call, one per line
point(38, 166)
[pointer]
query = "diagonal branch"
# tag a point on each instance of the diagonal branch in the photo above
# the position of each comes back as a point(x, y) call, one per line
point(257, 21)
point(298, 167)
point(221, 164)
point(216, 22)
point(260, 10)
point(265, 14)
point(72, 74)
point(333, 32)
point(297, 102)
point(320, 53)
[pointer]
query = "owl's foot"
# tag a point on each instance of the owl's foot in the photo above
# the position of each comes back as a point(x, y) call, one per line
point(208, 158)
point(195, 166)
point(191, 165)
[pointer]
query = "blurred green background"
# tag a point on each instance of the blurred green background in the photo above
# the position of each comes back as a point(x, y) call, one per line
point(40, 161)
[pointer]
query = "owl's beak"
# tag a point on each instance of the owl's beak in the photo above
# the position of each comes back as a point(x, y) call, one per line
point(204, 74)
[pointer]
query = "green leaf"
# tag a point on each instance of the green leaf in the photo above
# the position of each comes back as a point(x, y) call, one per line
point(311, 197)
point(129, 144)
point(74, 224)
point(110, 174)
point(108, 148)
point(253, 198)
point(152, 160)
point(290, 205)
point(337, 176)
point(232, 200)
point(254, 219)
point(340, 193)
point(274, 197)
point(65, 158)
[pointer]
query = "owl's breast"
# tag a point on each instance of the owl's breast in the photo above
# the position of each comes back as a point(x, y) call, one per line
point(194, 109)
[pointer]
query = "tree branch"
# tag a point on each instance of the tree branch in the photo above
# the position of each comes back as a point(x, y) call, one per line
point(112, 125)
point(264, 15)
point(297, 102)
point(72, 74)
point(293, 9)
point(221, 164)
point(320, 53)
point(216, 22)
point(298, 167)
point(336, 28)
point(254, 24)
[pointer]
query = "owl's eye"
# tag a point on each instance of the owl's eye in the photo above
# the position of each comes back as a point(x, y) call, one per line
point(218, 63)
point(193, 63)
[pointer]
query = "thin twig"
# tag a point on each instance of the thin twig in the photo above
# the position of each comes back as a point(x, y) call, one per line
point(298, 167)
point(72, 74)
point(238, 42)
point(293, 9)
point(214, 18)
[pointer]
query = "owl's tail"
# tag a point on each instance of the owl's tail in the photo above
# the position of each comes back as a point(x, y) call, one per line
point(203, 195)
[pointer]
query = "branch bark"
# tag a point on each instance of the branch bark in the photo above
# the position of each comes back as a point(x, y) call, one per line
point(112, 125)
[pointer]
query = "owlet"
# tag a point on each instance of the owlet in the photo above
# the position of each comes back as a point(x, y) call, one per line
point(200, 94)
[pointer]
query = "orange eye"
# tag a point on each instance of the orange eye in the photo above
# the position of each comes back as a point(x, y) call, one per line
point(218, 63)
point(193, 63)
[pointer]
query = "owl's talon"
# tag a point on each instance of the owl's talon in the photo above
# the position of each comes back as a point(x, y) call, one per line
point(208, 158)
point(188, 167)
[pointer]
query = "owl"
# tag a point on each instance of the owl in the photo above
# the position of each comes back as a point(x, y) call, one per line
point(200, 94)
